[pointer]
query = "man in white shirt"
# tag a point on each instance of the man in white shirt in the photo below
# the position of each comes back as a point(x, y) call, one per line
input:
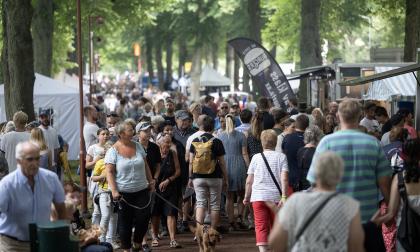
point(50, 135)
point(11, 139)
point(369, 121)
point(90, 129)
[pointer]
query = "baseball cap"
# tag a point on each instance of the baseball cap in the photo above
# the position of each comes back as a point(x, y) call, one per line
point(143, 126)
point(182, 114)
point(44, 112)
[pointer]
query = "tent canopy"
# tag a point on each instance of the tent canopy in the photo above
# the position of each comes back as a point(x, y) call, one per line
point(211, 78)
point(63, 100)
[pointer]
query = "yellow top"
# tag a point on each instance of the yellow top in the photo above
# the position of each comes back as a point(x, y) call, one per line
point(98, 170)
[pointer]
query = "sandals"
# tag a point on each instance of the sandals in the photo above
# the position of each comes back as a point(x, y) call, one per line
point(155, 242)
point(174, 244)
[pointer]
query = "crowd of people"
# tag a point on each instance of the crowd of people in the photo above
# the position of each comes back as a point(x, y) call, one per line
point(303, 178)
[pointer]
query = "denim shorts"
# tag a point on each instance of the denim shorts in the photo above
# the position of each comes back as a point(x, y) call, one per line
point(208, 190)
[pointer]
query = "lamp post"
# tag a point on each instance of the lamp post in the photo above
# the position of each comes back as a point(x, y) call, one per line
point(98, 20)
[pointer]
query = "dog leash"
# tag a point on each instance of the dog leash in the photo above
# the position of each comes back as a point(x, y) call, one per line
point(134, 206)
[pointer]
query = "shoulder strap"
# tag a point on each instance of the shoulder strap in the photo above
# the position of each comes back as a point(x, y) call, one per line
point(271, 173)
point(401, 186)
point(313, 215)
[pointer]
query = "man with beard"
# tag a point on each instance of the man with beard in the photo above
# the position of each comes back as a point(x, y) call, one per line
point(51, 137)
point(170, 109)
point(90, 127)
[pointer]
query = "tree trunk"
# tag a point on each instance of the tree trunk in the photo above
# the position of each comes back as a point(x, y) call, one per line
point(18, 58)
point(149, 55)
point(159, 66)
point(215, 55)
point(169, 62)
point(236, 65)
point(42, 32)
point(254, 11)
point(182, 55)
point(273, 51)
point(310, 46)
point(230, 54)
point(411, 39)
point(195, 74)
point(245, 82)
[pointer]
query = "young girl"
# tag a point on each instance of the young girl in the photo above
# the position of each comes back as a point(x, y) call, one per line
point(94, 154)
point(108, 222)
point(45, 160)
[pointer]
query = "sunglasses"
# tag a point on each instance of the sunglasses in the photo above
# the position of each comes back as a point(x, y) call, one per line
point(224, 107)
point(30, 159)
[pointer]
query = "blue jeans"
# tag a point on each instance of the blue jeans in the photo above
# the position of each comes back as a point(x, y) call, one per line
point(101, 247)
point(108, 221)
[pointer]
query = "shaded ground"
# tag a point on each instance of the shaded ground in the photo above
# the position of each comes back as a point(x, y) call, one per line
point(243, 241)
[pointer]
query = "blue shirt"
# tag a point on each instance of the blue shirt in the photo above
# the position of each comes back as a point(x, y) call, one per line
point(217, 124)
point(243, 128)
point(130, 173)
point(19, 206)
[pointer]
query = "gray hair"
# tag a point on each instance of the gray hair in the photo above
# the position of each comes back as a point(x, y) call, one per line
point(329, 169)
point(119, 128)
point(157, 119)
point(313, 135)
point(20, 147)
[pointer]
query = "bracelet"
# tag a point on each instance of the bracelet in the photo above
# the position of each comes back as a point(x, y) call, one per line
point(284, 197)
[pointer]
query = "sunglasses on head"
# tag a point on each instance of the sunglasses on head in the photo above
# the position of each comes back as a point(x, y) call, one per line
point(30, 159)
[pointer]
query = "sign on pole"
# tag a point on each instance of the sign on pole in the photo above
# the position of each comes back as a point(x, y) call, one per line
point(264, 70)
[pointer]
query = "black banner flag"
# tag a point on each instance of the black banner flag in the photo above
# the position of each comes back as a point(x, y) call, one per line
point(264, 70)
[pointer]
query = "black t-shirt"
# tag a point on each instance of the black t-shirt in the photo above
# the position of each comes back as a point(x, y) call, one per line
point(268, 120)
point(170, 119)
point(153, 156)
point(304, 158)
point(291, 144)
point(218, 150)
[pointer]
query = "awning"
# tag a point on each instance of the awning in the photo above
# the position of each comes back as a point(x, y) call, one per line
point(381, 76)
point(403, 85)
point(312, 71)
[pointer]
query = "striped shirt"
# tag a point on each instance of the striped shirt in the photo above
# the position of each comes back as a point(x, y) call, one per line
point(364, 163)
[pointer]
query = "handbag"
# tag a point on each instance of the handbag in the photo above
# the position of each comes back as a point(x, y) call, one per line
point(271, 173)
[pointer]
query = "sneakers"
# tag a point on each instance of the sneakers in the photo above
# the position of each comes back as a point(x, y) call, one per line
point(174, 244)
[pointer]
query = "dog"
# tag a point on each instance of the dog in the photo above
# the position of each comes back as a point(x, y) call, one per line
point(207, 237)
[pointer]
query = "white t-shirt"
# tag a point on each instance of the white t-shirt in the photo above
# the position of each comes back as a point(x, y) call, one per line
point(263, 188)
point(370, 125)
point(95, 151)
point(8, 145)
point(89, 134)
point(51, 138)
point(385, 139)
point(190, 139)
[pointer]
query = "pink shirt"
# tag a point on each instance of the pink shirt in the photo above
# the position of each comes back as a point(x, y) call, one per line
point(411, 131)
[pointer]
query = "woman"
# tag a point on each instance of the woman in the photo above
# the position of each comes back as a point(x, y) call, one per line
point(222, 122)
point(45, 158)
point(318, 117)
point(237, 160)
point(335, 227)
point(166, 187)
point(260, 187)
point(330, 124)
point(94, 154)
point(311, 138)
point(130, 181)
point(195, 110)
point(410, 176)
point(254, 133)
point(289, 128)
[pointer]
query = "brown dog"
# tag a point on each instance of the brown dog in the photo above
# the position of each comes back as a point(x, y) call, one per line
point(207, 237)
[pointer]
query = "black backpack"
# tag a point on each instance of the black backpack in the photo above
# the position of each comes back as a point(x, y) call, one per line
point(409, 230)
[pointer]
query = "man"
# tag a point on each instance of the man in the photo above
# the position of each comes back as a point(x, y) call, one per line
point(51, 137)
point(333, 108)
point(396, 120)
point(279, 116)
point(26, 197)
point(292, 106)
point(183, 128)
point(207, 107)
point(11, 139)
point(381, 115)
point(170, 111)
point(290, 146)
point(90, 128)
point(366, 168)
point(208, 187)
point(224, 109)
point(246, 117)
point(369, 121)
point(264, 107)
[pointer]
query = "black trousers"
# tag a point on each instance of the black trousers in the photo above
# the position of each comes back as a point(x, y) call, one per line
point(129, 216)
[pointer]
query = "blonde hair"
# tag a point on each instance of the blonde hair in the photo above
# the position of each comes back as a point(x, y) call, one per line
point(20, 119)
point(269, 139)
point(37, 136)
point(329, 169)
point(350, 111)
point(230, 125)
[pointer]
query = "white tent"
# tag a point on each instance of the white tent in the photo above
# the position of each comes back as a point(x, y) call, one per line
point(211, 78)
point(64, 100)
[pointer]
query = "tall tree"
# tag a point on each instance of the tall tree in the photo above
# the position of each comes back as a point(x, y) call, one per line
point(310, 45)
point(254, 10)
point(42, 32)
point(169, 61)
point(411, 38)
point(159, 66)
point(182, 56)
point(17, 57)
point(229, 57)
point(149, 54)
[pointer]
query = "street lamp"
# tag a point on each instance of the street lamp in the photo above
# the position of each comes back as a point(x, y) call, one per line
point(97, 20)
